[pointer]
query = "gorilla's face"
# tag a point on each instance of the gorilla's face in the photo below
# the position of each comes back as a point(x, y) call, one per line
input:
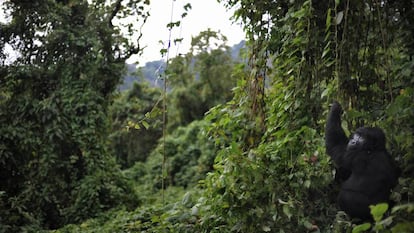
point(356, 142)
point(368, 139)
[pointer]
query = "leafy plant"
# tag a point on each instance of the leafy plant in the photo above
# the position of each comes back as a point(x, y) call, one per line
point(54, 159)
point(136, 124)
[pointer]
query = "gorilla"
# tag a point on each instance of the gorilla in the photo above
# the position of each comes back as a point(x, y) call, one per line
point(364, 168)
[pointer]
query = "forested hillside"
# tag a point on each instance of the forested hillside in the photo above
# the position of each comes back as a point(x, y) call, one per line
point(221, 144)
point(151, 71)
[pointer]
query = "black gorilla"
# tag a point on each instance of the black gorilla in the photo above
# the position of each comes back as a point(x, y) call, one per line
point(363, 165)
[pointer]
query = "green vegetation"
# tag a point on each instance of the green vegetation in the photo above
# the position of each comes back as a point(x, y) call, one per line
point(243, 149)
point(55, 162)
point(130, 144)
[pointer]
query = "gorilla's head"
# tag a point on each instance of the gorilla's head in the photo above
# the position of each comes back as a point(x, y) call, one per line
point(367, 138)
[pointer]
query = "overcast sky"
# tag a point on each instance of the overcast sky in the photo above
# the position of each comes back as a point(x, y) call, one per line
point(203, 15)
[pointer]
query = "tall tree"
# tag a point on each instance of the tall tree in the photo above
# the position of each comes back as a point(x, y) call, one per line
point(54, 162)
point(201, 78)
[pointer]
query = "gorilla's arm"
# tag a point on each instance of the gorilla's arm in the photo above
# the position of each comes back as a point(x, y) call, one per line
point(336, 140)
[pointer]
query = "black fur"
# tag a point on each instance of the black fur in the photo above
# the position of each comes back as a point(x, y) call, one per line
point(363, 165)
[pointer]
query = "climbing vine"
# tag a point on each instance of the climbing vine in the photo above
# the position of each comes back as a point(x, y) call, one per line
point(311, 52)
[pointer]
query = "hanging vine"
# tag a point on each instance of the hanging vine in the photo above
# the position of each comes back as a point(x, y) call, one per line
point(257, 21)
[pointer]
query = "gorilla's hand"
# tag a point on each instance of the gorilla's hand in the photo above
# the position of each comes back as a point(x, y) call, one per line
point(336, 108)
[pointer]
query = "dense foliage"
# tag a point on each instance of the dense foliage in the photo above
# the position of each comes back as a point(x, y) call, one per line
point(319, 51)
point(200, 79)
point(248, 160)
point(129, 115)
point(54, 158)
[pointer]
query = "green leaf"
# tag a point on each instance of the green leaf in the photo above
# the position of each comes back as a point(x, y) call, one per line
point(325, 92)
point(325, 52)
point(163, 51)
point(407, 207)
point(286, 211)
point(145, 124)
point(178, 40)
point(136, 126)
point(307, 183)
point(187, 7)
point(186, 201)
point(378, 211)
point(361, 228)
point(308, 225)
point(266, 228)
point(339, 17)
point(328, 19)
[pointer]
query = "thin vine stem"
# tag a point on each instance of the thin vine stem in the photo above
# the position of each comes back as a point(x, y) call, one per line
point(385, 47)
point(164, 111)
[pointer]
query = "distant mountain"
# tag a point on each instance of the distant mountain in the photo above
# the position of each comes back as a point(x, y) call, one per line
point(236, 50)
point(151, 71)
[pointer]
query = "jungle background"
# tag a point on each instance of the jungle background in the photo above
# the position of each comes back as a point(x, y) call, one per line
point(229, 144)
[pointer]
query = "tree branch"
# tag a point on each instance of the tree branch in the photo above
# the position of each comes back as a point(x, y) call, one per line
point(115, 11)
